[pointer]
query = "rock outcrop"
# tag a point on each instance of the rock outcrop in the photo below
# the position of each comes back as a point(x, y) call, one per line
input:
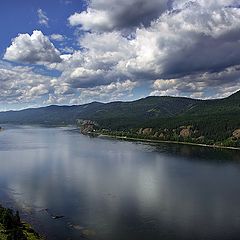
point(140, 131)
point(161, 136)
point(156, 134)
point(186, 132)
point(145, 131)
point(236, 134)
point(87, 126)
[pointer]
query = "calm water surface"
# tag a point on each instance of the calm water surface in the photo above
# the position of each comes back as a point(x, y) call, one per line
point(116, 190)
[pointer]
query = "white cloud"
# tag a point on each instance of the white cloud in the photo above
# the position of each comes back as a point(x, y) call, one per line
point(33, 49)
point(42, 17)
point(57, 37)
point(64, 94)
point(96, 63)
point(188, 41)
point(209, 4)
point(92, 19)
point(38, 90)
point(112, 92)
point(184, 48)
point(175, 44)
point(20, 85)
point(108, 15)
point(206, 85)
point(105, 93)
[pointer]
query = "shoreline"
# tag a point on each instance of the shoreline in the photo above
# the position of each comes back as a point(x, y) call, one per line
point(162, 141)
point(13, 227)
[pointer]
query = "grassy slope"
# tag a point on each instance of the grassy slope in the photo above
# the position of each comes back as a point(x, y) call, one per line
point(29, 233)
point(11, 227)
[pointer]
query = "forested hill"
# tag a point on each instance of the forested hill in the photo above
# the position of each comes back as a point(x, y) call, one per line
point(143, 109)
point(208, 121)
point(149, 108)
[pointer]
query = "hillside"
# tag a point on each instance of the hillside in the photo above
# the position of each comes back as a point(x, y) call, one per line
point(150, 107)
point(11, 227)
point(208, 121)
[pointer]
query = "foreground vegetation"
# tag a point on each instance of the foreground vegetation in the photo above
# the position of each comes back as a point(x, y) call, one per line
point(12, 228)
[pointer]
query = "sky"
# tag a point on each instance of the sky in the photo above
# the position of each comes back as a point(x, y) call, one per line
point(70, 52)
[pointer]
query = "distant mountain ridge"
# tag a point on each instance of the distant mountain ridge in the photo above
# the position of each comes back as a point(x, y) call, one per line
point(143, 109)
point(214, 119)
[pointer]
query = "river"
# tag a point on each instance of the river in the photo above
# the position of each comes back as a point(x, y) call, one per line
point(118, 190)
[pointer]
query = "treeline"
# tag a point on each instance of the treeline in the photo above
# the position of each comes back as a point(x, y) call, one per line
point(213, 121)
point(11, 227)
point(208, 129)
point(11, 224)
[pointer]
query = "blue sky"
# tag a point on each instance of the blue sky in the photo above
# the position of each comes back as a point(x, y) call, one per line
point(73, 52)
point(21, 17)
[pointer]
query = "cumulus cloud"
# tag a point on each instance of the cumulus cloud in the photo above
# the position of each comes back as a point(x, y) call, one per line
point(193, 37)
point(20, 85)
point(32, 49)
point(57, 37)
point(205, 85)
point(96, 63)
point(42, 17)
point(104, 93)
point(113, 91)
point(182, 48)
point(207, 41)
point(23, 86)
point(180, 43)
point(209, 4)
point(113, 14)
point(92, 19)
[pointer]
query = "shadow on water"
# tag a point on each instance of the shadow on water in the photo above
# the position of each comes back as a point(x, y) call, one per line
point(198, 153)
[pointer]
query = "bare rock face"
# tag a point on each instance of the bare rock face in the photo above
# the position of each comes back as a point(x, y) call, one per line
point(156, 134)
point(186, 132)
point(161, 136)
point(147, 131)
point(236, 134)
point(140, 131)
point(201, 138)
point(87, 126)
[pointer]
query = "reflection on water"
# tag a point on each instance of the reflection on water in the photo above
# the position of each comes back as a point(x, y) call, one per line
point(111, 190)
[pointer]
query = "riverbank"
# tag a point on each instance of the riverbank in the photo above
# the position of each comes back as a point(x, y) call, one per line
point(11, 227)
point(162, 141)
point(28, 233)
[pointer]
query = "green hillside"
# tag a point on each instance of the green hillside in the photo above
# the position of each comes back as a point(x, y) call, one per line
point(11, 227)
point(168, 118)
